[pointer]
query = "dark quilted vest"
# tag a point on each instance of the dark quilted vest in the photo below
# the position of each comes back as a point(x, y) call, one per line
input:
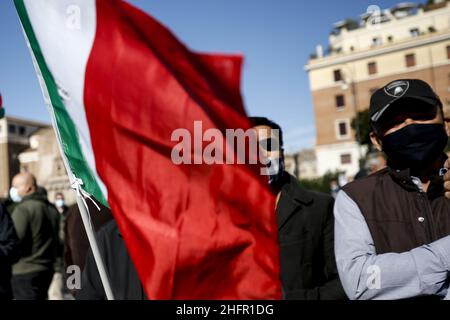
point(400, 217)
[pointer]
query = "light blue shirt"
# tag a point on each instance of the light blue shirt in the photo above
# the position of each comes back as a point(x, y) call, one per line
point(365, 275)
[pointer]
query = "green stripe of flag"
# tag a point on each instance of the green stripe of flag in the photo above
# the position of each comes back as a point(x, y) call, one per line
point(70, 140)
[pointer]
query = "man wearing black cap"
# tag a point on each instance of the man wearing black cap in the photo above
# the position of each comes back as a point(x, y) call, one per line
point(391, 228)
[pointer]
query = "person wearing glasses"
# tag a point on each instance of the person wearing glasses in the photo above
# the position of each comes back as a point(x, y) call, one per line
point(305, 224)
point(392, 228)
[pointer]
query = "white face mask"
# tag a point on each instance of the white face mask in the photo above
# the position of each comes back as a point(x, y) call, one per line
point(14, 195)
point(275, 169)
point(59, 203)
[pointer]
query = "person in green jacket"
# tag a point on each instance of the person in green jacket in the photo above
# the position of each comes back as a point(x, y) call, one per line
point(37, 223)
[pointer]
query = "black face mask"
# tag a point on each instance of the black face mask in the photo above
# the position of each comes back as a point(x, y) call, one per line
point(415, 146)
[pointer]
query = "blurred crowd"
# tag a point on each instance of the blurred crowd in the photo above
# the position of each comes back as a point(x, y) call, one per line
point(39, 240)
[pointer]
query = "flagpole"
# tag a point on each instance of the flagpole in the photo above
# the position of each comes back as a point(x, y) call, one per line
point(84, 211)
point(85, 215)
point(75, 182)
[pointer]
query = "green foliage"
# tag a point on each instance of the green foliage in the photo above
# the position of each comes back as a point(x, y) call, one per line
point(362, 121)
point(320, 184)
point(352, 24)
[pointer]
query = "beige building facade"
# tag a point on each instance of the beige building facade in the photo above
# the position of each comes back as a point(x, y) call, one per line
point(14, 139)
point(302, 165)
point(30, 146)
point(404, 42)
point(44, 161)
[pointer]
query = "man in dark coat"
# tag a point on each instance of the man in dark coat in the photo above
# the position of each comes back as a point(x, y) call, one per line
point(305, 224)
point(122, 274)
point(76, 244)
point(9, 253)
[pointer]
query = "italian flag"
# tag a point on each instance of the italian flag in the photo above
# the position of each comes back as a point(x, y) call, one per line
point(117, 84)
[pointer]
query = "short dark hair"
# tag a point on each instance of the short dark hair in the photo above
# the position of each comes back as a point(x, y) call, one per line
point(262, 121)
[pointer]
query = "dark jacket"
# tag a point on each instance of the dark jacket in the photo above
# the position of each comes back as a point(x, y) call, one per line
point(399, 215)
point(37, 224)
point(122, 274)
point(9, 252)
point(9, 205)
point(76, 244)
point(306, 236)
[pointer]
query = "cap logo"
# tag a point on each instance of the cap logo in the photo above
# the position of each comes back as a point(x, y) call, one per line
point(397, 89)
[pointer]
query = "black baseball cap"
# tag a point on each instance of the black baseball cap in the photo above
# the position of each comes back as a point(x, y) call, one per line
point(399, 90)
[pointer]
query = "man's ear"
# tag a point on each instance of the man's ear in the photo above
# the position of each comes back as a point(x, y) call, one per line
point(376, 141)
point(29, 189)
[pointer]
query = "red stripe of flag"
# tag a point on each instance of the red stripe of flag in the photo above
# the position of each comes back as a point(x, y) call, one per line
point(193, 231)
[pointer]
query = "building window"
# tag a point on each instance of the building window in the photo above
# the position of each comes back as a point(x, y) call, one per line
point(410, 60)
point(59, 168)
point(337, 75)
point(22, 130)
point(448, 52)
point(346, 158)
point(340, 101)
point(342, 129)
point(12, 129)
point(390, 39)
point(415, 32)
point(376, 42)
point(372, 68)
